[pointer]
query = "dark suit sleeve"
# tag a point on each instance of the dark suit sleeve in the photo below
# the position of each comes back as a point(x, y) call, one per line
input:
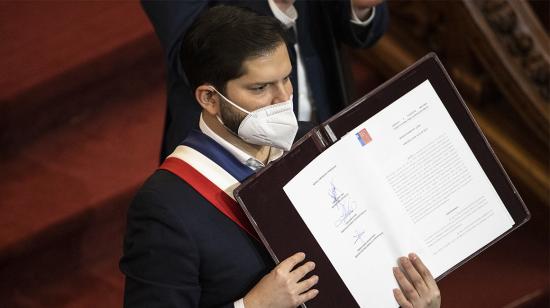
point(303, 128)
point(160, 260)
point(170, 20)
point(339, 13)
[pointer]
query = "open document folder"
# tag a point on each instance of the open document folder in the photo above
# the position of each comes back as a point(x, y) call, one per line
point(404, 169)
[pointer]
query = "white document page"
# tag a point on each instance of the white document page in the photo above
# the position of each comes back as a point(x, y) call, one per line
point(403, 181)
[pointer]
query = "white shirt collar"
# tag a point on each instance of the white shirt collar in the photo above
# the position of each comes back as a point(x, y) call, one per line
point(288, 18)
point(241, 155)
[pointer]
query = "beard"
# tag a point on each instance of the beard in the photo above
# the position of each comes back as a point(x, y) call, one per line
point(231, 118)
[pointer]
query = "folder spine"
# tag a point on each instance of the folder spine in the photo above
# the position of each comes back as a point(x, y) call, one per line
point(319, 140)
point(330, 134)
point(256, 228)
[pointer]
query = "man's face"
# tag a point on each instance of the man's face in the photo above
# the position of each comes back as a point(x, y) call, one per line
point(266, 82)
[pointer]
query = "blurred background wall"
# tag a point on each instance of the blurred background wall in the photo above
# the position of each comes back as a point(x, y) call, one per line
point(82, 101)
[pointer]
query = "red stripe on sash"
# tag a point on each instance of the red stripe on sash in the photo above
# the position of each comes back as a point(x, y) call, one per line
point(210, 192)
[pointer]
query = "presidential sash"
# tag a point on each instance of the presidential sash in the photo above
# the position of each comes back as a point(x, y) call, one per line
point(211, 181)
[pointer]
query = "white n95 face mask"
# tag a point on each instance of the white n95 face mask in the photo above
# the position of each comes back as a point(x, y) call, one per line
point(273, 125)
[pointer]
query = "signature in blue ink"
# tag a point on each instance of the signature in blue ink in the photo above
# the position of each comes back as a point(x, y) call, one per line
point(345, 209)
point(358, 237)
point(334, 194)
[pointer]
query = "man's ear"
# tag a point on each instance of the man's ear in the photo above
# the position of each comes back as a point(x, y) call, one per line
point(208, 99)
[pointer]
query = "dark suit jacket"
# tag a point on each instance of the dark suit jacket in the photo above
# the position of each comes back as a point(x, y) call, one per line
point(181, 251)
point(322, 26)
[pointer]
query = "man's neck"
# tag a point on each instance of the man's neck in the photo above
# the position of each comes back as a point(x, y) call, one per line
point(260, 152)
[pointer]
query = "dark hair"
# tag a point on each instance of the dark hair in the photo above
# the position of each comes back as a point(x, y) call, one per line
point(221, 39)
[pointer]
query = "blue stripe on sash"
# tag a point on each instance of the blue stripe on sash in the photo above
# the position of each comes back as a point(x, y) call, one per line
point(215, 152)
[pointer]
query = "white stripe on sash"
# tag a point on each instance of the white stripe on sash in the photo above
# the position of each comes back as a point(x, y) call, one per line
point(213, 172)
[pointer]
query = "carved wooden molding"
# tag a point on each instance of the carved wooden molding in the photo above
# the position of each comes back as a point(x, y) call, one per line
point(519, 42)
point(513, 47)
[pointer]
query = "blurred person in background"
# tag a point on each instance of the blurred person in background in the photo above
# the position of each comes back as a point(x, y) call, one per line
point(315, 30)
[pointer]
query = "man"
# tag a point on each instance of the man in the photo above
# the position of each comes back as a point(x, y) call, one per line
point(317, 28)
point(187, 243)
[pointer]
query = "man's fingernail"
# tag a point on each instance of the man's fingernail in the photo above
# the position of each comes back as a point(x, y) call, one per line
point(413, 256)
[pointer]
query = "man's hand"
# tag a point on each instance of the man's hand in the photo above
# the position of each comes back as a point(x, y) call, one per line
point(418, 287)
point(282, 286)
point(362, 8)
point(365, 4)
